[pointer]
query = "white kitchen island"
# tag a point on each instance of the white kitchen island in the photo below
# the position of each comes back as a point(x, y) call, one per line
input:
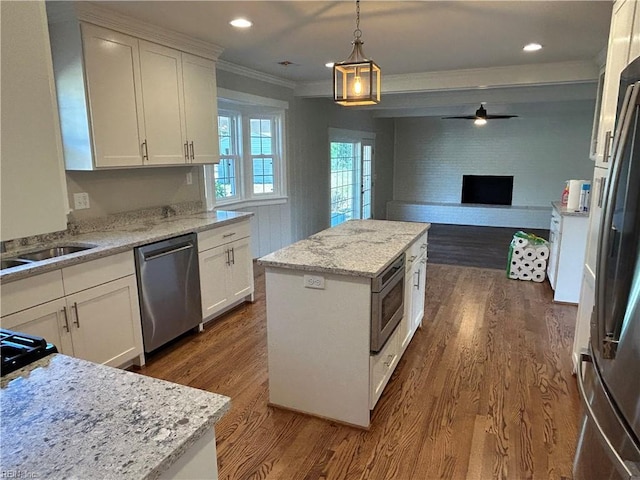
point(319, 317)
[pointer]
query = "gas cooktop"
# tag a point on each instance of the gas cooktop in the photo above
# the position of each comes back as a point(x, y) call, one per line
point(19, 349)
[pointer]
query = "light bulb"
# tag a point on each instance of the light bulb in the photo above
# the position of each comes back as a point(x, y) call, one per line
point(480, 121)
point(357, 85)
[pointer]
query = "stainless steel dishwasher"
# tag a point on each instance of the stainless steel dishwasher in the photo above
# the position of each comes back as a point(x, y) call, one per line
point(169, 289)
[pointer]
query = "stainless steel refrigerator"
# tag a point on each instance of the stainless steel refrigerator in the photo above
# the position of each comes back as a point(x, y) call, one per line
point(609, 373)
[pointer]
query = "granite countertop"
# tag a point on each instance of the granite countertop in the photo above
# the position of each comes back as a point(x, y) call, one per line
point(63, 417)
point(119, 238)
point(563, 210)
point(362, 248)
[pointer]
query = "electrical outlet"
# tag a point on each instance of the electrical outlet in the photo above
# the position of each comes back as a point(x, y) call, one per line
point(314, 281)
point(189, 178)
point(81, 201)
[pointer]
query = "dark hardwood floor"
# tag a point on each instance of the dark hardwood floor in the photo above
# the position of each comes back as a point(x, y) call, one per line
point(483, 391)
point(473, 246)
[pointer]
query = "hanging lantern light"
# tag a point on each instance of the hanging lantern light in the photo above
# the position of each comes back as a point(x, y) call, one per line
point(356, 81)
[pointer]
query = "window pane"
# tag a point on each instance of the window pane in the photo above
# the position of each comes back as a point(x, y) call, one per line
point(343, 189)
point(261, 136)
point(263, 175)
point(225, 135)
point(225, 178)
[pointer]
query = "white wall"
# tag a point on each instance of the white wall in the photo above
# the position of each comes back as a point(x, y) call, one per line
point(541, 149)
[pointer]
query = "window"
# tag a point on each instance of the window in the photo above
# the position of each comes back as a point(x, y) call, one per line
point(225, 172)
point(262, 152)
point(351, 175)
point(251, 164)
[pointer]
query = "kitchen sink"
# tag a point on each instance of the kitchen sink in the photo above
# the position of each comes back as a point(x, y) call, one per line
point(53, 252)
point(12, 262)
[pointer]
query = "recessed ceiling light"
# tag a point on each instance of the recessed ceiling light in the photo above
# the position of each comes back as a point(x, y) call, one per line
point(240, 23)
point(532, 47)
point(329, 64)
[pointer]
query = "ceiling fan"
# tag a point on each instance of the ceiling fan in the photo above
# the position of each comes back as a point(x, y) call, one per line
point(481, 116)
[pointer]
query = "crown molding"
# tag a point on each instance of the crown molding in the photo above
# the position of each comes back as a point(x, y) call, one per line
point(469, 79)
point(255, 74)
point(104, 17)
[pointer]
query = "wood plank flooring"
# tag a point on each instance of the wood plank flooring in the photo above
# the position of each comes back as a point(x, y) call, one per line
point(473, 246)
point(483, 391)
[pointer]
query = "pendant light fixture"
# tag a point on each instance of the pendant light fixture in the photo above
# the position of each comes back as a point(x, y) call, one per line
point(356, 81)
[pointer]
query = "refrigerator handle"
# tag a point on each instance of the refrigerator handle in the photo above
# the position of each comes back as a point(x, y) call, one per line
point(628, 470)
point(605, 333)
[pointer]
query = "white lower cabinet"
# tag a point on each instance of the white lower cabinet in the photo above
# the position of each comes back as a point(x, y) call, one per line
point(105, 322)
point(414, 290)
point(226, 267)
point(381, 366)
point(583, 319)
point(47, 321)
point(567, 246)
point(419, 280)
point(99, 322)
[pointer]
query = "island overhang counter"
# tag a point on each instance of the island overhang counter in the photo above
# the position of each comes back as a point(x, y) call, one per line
point(319, 312)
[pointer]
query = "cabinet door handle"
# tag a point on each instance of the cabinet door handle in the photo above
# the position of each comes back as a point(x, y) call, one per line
point(233, 256)
point(75, 307)
point(607, 145)
point(66, 319)
point(186, 151)
point(417, 285)
point(601, 181)
point(228, 262)
point(193, 155)
point(145, 151)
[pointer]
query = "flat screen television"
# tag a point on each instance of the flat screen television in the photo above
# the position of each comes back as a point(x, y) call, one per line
point(487, 189)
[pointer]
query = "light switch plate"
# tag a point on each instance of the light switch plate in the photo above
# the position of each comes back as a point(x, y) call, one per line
point(81, 201)
point(314, 281)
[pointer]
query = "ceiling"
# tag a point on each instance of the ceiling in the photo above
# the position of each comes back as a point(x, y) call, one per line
point(417, 40)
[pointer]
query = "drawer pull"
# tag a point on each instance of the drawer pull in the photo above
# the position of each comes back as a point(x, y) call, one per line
point(227, 235)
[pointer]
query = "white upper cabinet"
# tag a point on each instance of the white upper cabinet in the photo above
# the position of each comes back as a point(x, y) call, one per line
point(33, 190)
point(130, 102)
point(201, 108)
point(114, 94)
point(620, 35)
point(179, 96)
point(163, 93)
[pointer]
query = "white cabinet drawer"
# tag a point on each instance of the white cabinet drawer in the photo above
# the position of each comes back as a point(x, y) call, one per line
point(381, 367)
point(221, 235)
point(89, 274)
point(418, 248)
point(32, 291)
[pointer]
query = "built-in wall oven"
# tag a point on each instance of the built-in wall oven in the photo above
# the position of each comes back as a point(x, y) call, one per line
point(387, 303)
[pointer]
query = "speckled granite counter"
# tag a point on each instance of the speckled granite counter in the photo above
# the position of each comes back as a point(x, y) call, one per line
point(112, 240)
point(63, 417)
point(563, 210)
point(358, 247)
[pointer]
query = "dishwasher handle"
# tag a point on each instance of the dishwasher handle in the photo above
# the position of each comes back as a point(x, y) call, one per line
point(148, 256)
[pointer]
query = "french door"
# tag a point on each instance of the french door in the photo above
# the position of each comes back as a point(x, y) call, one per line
point(351, 180)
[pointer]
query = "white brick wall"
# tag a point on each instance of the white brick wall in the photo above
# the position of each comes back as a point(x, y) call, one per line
point(541, 151)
